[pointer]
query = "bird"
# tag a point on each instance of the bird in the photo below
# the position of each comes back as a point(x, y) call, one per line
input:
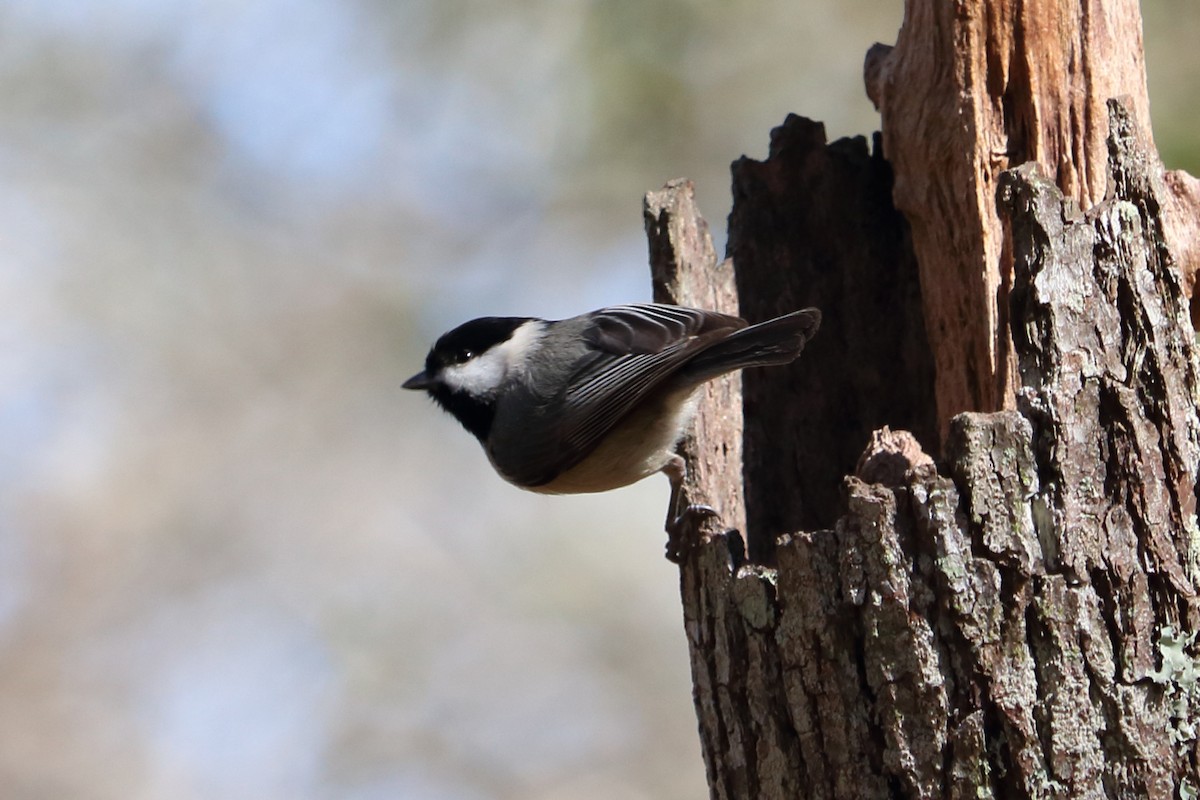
point(600, 400)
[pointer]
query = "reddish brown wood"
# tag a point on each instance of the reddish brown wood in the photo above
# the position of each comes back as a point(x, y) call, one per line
point(969, 90)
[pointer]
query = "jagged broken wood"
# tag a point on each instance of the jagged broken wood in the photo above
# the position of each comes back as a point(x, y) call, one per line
point(1017, 624)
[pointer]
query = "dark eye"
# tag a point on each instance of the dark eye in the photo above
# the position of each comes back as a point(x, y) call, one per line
point(466, 354)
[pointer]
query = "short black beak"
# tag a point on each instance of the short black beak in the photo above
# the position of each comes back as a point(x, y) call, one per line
point(419, 381)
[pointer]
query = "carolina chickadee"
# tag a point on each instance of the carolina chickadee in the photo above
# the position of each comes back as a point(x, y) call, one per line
point(597, 401)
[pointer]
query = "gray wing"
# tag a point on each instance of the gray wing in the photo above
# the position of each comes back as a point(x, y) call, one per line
point(632, 350)
point(651, 327)
point(636, 348)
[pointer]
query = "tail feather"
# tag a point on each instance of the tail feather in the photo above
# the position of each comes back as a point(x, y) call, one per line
point(776, 341)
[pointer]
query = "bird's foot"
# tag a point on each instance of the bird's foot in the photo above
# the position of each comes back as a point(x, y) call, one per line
point(683, 532)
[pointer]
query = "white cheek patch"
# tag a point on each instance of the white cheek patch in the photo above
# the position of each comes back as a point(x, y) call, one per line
point(479, 376)
point(484, 373)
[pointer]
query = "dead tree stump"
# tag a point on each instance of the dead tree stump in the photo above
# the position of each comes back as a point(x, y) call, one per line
point(1017, 617)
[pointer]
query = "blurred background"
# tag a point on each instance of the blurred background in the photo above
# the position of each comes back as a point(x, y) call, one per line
point(236, 560)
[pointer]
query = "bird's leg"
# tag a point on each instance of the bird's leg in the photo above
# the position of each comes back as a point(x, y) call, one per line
point(683, 524)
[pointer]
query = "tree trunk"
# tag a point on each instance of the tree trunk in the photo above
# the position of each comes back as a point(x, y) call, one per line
point(1016, 620)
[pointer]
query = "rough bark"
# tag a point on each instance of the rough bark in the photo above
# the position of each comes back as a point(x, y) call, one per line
point(1018, 619)
point(969, 90)
point(1017, 627)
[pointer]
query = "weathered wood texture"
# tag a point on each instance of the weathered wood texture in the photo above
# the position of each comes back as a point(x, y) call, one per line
point(969, 90)
point(814, 224)
point(680, 245)
point(1018, 619)
point(1018, 625)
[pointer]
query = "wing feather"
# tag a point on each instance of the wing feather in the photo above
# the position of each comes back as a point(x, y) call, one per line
point(636, 348)
point(651, 328)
